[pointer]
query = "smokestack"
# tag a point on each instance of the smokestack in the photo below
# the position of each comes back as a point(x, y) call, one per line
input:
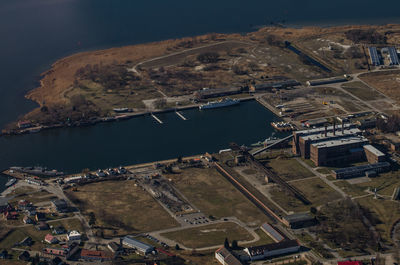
point(326, 130)
point(334, 127)
point(343, 126)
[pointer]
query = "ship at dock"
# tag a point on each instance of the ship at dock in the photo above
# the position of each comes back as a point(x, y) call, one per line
point(219, 104)
point(282, 126)
point(11, 182)
point(39, 171)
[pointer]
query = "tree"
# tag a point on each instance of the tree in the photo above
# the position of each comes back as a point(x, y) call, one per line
point(226, 243)
point(235, 244)
point(177, 247)
point(313, 210)
point(179, 160)
point(208, 57)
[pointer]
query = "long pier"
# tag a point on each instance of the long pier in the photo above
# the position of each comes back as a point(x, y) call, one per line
point(157, 119)
point(181, 115)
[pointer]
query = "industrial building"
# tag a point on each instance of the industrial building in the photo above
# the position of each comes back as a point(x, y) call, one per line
point(299, 220)
point(60, 206)
point(326, 81)
point(373, 55)
point(272, 250)
point(272, 233)
point(360, 171)
point(225, 257)
point(373, 155)
point(391, 54)
point(339, 150)
point(140, 247)
point(285, 83)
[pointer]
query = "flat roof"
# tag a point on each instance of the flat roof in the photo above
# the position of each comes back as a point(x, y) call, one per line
point(320, 129)
point(229, 259)
point(272, 232)
point(274, 246)
point(136, 243)
point(362, 168)
point(373, 150)
point(338, 134)
point(341, 141)
point(298, 217)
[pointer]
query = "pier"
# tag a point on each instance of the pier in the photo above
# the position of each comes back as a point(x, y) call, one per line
point(181, 115)
point(157, 119)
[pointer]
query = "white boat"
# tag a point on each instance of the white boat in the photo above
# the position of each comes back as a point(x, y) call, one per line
point(11, 182)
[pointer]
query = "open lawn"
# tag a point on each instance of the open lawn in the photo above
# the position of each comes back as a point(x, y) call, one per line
point(386, 82)
point(69, 224)
point(385, 183)
point(350, 189)
point(362, 91)
point(289, 169)
point(121, 207)
point(209, 235)
point(386, 211)
point(314, 189)
point(214, 195)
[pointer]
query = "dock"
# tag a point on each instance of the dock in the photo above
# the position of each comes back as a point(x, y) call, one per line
point(157, 119)
point(181, 115)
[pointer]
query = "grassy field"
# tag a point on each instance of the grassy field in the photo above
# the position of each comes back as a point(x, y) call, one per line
point(209, 235)
point(69, 224)
point(214, 195)
point(350, 189)
point(314, 189)
point(386, 82)
point(361, 91)
point(289, 169)
point(384, 183)
point(120, 206)
point(386, 211)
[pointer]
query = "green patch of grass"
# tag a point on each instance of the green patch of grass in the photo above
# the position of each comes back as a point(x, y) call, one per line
point(13, 237)
point(209, 235)
point(69, 224)
point(350, 189)
point(361, 91)
point(289, 169)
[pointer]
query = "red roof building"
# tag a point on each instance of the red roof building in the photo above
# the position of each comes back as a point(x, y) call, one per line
point(10, 215)
point(95, 255)
point(50, 239)
point(350, 262)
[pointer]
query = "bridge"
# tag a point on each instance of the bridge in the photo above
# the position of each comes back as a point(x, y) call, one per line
point(271, 145)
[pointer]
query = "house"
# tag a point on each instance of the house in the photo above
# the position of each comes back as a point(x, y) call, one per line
point(140, 247)
point(24, 256)
point(225, 257)
point(74, 236)
point(96, 255)
point(50, 239)
point(56, 261)
point(40, 216)
point(4, 254)
point(42, 226)
point(27, 220)
point(24, 205)
point(65, 251)
point(60, 206)
point(31, 212)
point(24, 124)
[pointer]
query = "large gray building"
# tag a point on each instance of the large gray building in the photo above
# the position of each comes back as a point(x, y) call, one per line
point(139, 246)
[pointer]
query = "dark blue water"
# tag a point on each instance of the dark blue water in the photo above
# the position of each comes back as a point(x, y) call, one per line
point(35, 33)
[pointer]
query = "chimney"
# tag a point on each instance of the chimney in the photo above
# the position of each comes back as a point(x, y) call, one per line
point(343, 126)
point(334, 127)
point(326, 130)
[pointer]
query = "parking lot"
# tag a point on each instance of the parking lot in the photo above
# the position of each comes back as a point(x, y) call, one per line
point(193, 219)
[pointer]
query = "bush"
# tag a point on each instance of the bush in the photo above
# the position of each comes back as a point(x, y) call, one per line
point(208, 57)
point(365, 36)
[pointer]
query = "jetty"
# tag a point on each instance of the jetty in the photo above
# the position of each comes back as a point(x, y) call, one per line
point(156, 118)
point(181, 115)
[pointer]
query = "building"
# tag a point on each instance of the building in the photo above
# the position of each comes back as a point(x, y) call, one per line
point(315, 122)
point(42, 226)
point(27, 220)
point(225, 257)
point(40, 217)
point(326, 81)
point(299, 220)
point(140, 247)
point(276, 84)
point(360, 171)
point(24, 124)
point(393, 57)
point(50, 239)
point(272, 250)
point(61, 206)
point(96, 255)
point(350, 262)
point(10, 215)
point(65, 251)
point(74, 236)
point(114, 247)
point(373, 155)
point(27, 241)
point(373, 55)
point(338, 150)
point(24, 205)
point(366, 123)
point(217, 92)
point(271, 232)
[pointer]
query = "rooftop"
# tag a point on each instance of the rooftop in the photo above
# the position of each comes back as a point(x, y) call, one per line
point(136, 243)
point(338, 134)
point(373, 150)
point(362, 167)
point(275, 234)
point(298, 217)
point(228, 257)
point(341, 141)
point(270, 247)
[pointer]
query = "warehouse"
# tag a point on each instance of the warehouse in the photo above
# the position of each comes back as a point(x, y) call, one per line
point(373, 54)
point(272, 250)
point(326, 81)
point(393, 57)
point(360, 171)
point(225, 257)
point(140, 247)
point(275, 84)
point(272, 233)
point(373, 155)
point(299, 220)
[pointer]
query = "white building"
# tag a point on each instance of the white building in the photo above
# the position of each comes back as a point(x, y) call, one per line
point(272, 250)
point(225, 257)
point(73, 236)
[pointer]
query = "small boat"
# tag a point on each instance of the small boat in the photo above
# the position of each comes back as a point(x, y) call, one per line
point(122, 110)
point(219, 104)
